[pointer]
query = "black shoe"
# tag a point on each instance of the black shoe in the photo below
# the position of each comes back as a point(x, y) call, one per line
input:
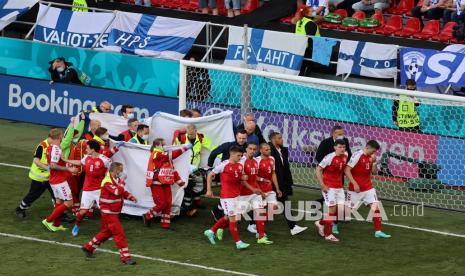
point(147, 222)
point(89, 254)
point(20, 213)
point(67, 219)
point(129, 262)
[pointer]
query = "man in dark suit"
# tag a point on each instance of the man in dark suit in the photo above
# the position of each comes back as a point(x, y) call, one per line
point(284, 175)
point(250, 117)
point(326, 147)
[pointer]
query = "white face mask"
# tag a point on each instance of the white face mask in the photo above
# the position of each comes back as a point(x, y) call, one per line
point(130, 116)
point(75, 140)
point(145, 137)
point(119, 175)
point(60, 69)
point(340, 137)
point(105, 137)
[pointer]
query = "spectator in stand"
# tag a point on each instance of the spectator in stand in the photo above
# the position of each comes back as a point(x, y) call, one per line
point(318, 8)
point(370, 5)
point(454, 11)
point(196, 113)
point(205, 4)
point(341, 4)
point(233, 7)
point(431, 9)
point(147, 3)
point(63, 72)
point(127, 111)
point(130, 132)
point(250, 117)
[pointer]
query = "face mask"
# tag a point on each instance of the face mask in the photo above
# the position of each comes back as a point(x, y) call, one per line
point(75, 140)
point(145, 137)
point(130, 116)
point(105, 137)
point(60, 69)
point(119, 175)
point(340, 137)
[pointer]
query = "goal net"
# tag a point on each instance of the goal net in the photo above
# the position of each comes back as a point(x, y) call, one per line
point(415, 166)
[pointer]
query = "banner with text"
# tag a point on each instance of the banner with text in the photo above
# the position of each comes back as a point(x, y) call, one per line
point(268, 50)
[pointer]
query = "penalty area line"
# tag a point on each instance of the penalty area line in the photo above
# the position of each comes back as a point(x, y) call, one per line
point(133, 255)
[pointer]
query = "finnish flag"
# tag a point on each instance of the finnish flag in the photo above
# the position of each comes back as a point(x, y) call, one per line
point(367, 59)
point(68, 28)
point(11, 10)
point(268, 50)
point(154, 36)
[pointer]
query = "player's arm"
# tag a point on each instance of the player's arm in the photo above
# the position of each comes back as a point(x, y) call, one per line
point(55, 166)
point(274, 178)
point(215, 153)
point(319, 176)
point(374, 166)
point(348, 173)
point(127, 195)
point(210, 177)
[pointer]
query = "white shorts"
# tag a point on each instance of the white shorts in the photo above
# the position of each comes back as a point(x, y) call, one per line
point(88, 198)
point(229, 206)
point(367, 197)
point(334, 196)
point(62, 191)
point(270, 198)
point(249, 202)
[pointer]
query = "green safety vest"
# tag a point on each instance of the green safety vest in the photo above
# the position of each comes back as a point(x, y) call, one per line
point(36, 173)
point(300, 26)
point(80, 6)
point(138, 141)
point(200, 142)
point(407, 116)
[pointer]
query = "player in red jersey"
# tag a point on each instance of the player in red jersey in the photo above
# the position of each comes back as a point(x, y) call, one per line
point(95, 167)
point(58, 175)
point(361, 166)
point(231, 176)
point(267, 177)
point(329, 172)
point(111, 202)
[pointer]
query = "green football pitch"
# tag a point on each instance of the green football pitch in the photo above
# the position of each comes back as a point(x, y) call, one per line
point(423, 243)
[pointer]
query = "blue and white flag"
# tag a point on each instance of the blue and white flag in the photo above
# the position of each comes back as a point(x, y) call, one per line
point(155, 36)
point(11, 10)
point(68, 28)
point(367, 59)
point(432, 68)
point(268, 50)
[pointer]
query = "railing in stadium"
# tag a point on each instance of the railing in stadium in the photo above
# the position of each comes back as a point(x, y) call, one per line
point(417, 167)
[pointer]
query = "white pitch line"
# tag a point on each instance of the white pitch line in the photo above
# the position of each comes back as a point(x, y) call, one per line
point(298, 210)
point(134, 255)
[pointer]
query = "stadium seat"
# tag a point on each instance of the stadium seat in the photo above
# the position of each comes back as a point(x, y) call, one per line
point(171, 4)
point(221, 8)
point(446, 33)
point(431, 28)
point(250, 6)
point(393, 24)
point(329, 25)
point(419, 4)
point(380, 18)
point(359, 15)
point(286, 19)
point(403, 7)
point(190, 5)
point(411, 27)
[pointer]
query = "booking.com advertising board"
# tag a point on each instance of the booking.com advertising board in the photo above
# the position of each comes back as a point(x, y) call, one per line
point(302, 135)
point(37, 101)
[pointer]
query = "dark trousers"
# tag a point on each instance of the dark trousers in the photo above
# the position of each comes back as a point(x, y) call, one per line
point(436, 13)
point(35, 191)
point(283, 200)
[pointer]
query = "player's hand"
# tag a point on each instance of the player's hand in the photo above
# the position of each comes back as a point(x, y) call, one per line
point(119, 144)
point(83, 116)
point(72, 169)
point(47, 168)
point(209, 194)
point(280, 194)
point(51, 82)
point(187, 146)
point(257, 191)
point(132, 198)
point(324, 188)
point(72, 120)
point(181, 184)
point(356, 188)
point(373, 158)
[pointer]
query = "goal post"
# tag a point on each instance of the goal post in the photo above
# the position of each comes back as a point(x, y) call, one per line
point(416, 166)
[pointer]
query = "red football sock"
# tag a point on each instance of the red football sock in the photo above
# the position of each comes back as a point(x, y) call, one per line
point(260, 228)
point(57, 213)
point(219, 224)
point(79, 218)
point(377, 220)
point(233, 230)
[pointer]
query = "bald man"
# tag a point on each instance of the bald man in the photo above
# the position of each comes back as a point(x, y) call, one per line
point(104, 107)
point(93, 126)
point(251, 117)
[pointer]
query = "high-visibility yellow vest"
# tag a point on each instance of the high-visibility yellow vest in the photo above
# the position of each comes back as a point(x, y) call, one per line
point(200, 141)
point(300, 27)
point(106, 179)
point(80, 6)
point(94, 109)
point(407, 115)
point(138, 141)
point(37, 173)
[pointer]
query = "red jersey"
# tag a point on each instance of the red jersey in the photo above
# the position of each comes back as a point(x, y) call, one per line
point(54, 156)
point(266, 170)
point(333, 174)
point(361, 170)
point(251, 170)
point(95, 169)
point(77, 152)
point(112, 194)
point(160, 166)
point(230, 176)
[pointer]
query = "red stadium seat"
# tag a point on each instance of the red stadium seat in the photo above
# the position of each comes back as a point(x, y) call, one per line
point(411, 27)
point(250, 6)
point(393, 24)
point(446, 33)
point(221, 8)
point(190, 5)
point(172, 4)
point(431, 28)
point(286, 20)
point(380, 17)
point(329, 25)
point(403, 7)
point(359, 15)
point(419, 4)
